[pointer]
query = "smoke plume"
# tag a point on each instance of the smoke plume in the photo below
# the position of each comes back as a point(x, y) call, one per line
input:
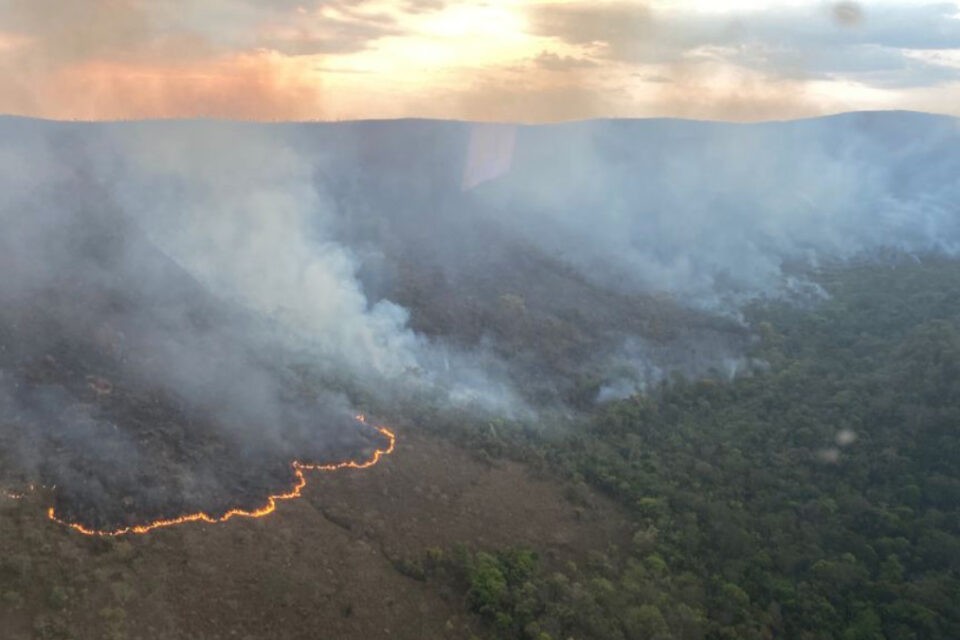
point(186, 307)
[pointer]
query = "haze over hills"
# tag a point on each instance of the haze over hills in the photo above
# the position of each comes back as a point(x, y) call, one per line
point(511, 270)
point(371, 235)
point(186, 307)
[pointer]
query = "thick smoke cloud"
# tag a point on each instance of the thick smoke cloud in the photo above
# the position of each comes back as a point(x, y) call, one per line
point(178, 321)
point(221, 291)
point(241, 212)
point(717, 214)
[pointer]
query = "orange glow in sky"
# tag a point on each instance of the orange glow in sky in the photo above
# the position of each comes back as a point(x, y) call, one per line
point(513, 60)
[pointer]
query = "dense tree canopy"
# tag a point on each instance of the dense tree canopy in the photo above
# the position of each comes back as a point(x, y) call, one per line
point(817, 497)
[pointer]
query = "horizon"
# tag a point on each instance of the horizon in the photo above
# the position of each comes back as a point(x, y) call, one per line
point(227, 120)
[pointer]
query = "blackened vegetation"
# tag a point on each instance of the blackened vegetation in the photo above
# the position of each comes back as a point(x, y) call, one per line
point(131, 394)
point(132, 455)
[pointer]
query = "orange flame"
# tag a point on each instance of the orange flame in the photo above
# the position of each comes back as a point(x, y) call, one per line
point(266, 509)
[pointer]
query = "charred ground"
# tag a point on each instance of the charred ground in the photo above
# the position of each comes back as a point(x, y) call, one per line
point(88, 404)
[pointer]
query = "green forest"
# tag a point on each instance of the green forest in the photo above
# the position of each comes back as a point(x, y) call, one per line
point(816, 497)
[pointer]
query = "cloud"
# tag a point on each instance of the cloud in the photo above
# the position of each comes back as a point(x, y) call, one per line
point(584, 23)
point(256, 86)
point(847, 14)
point(136, 59)
point(555, 62)
point(334, 27)
point(115, 58)
point(62, 32)
point(293, 60)
point(423, 6)
point(796, 42)
point(870, 64)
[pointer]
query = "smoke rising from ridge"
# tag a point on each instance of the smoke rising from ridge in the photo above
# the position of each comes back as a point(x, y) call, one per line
point(717, 214)
point(180, 293)
point(176, 314)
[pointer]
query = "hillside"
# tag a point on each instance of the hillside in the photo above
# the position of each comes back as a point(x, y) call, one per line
point(649, 379)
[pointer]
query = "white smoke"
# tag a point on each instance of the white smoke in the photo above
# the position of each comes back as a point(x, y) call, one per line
point(242, 215)
point(717, 214)
point(241, 212)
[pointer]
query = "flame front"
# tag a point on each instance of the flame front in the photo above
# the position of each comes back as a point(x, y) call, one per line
point(266, 509)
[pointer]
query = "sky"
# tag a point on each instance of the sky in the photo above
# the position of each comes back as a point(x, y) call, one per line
point(498, 60)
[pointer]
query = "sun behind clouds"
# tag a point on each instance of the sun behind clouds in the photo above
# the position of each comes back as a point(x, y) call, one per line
point(527, 61)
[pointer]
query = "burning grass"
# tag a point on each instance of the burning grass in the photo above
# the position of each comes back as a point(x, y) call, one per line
point(269, 506)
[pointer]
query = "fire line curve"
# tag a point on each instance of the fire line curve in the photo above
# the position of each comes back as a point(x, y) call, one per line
point(266, 509)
